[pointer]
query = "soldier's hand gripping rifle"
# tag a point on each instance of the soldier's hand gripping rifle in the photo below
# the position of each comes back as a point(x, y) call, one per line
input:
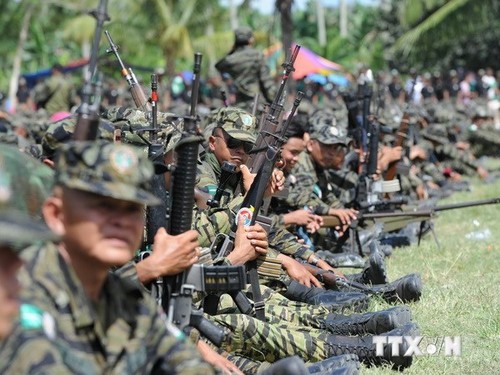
point(138, 95)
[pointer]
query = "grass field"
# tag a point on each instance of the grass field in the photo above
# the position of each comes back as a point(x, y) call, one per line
point(461, 295)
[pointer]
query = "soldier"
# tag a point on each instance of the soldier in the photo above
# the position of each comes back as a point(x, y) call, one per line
point(247, 67)
point(56, 94)
point(22, 182)
point(76, 316)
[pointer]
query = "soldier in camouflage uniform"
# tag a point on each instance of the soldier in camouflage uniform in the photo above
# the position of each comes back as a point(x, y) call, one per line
point(83, 319)
point(23, 187)
point(57, 93)
point(248, 69)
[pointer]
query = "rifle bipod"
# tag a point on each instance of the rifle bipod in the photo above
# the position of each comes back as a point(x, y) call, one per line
point(426, 226)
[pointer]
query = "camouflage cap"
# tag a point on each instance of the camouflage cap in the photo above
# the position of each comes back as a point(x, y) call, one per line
point(24, 185)
point(113, 170)
point(131, 122)
point(236, 122)
point(243, 34)
point(436, 133)
point(62, 131)
point(324, 128)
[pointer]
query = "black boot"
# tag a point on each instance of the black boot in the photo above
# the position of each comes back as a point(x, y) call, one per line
point(346, 364)
point(291, 365)
point(365, 348)
point(406, 289)
point(336, 301)
point(371, 323)
point(341, 259)
point(375, 270)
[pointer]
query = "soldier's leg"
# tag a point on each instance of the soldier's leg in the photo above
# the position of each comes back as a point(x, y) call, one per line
point(262, 341)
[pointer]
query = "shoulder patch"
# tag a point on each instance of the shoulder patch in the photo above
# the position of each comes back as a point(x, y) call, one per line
point(32, 317)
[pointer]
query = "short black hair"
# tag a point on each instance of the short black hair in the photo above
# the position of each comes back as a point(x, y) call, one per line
point(297, 127)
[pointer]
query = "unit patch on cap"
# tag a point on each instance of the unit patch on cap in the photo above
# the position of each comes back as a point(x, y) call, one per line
point(123, 160)
point(246, 120)
point(334, 131)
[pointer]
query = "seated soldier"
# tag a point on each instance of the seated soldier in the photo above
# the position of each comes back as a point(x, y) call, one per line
point(76, 315)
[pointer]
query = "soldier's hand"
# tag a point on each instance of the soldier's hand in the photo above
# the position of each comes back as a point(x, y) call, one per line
point(299, 217)
point(250, 242)
point(276, 184)
point(246, 176)
point(346, 215)
point(298, 272)
point(217, 360)
point(314, 225)
point(170, 256)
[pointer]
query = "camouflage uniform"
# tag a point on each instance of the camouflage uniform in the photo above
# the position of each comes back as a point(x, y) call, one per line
point(311, 186)
point(59, 93)
point(60, 330)
point(248, 69)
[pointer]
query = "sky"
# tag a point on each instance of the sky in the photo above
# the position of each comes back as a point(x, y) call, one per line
point(267, 6)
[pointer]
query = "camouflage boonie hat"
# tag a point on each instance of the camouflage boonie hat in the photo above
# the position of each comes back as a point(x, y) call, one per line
point(243, 34)
point(62, 131)
point(112, 170)
point(324, 128)
point(25, 183)
point(132, 121)
point(236, 122)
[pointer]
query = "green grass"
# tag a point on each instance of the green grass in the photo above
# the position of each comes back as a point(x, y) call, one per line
point(461, 295)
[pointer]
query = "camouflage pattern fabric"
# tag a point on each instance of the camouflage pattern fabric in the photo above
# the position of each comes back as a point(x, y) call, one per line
point(262, 341)
point(62, 131)
point(310, 187)
point(61, 332)
point(113, 170)
point(24, 185)
point(131, 122)
point(243, 34)
point(323, 127)
point(218, 220)
point(235, 121)
point(60, 93)
point(250, 73)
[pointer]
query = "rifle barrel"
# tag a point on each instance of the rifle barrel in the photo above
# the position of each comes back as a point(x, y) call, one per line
point(452, 206)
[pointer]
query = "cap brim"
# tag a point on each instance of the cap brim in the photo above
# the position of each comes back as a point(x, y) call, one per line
point(19, 229)
point(116, 191)
point(333, 141)
point(241, 135)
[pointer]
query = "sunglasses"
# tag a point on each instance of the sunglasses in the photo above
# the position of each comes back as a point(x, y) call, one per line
point(234, 143)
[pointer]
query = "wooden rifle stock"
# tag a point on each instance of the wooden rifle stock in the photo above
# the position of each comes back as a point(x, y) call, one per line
point(326, 277)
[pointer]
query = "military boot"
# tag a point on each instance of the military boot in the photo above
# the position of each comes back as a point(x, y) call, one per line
point(375, 270)
point(346, 364)
point(290, 365)
point(341, 259)
point(406, 289)
point(334, 300)
point(371, 323)
point(365, 348)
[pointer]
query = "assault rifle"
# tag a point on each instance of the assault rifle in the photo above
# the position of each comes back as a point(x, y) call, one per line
point(135, 88)
point(175, 294)
point(397, 220)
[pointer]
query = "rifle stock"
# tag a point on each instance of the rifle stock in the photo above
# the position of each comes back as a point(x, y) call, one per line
point(138, 95)
point(401, 135)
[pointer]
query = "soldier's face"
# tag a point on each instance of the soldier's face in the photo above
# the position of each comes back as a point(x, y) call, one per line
point(327, 156)
point(226, 148)
point(291, 152)
point(9, 290)
point(98, 230)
